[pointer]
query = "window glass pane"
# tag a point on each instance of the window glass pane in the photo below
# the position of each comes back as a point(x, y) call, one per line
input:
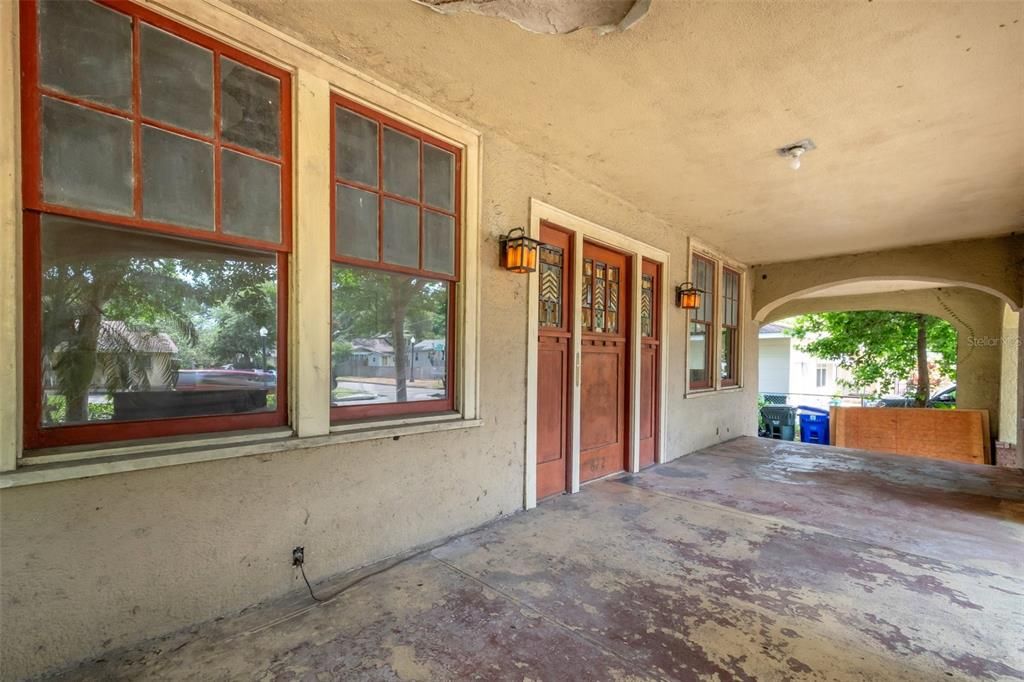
point(438, 177)
point(401, 164)
point(137, 326)
point(85, 50)
point(250, 105)
point(728, 338)
point(697, 354)
point(731, 292)
point(389, 337)
point(87, 158)
point(177, 81)
point(552, 263)
point(401, 234)
point(356, 223)
point(250, 197)
point(356, 151)
point(647, 306)
point(704, 279)
point(177, 179)
point(438, 243)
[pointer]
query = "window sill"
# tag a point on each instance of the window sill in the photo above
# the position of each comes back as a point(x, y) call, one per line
point(68, 465)
point(702, 392)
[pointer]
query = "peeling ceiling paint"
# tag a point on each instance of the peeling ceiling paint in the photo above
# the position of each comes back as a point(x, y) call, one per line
point(552, 16)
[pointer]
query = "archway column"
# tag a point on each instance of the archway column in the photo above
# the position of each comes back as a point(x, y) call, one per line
point(1020, 392)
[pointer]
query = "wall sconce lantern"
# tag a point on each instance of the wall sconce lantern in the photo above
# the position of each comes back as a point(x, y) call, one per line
point(688, 296)
point(518, 252)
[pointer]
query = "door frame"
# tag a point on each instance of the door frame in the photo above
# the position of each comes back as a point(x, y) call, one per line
point(583, 229)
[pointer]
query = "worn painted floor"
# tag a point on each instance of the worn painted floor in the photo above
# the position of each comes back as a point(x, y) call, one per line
point(749, 560)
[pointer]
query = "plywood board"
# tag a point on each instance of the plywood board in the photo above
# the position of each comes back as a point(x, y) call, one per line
point(954, 435)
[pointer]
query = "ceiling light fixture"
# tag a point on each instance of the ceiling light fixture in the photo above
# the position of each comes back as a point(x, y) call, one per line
point(794, 151)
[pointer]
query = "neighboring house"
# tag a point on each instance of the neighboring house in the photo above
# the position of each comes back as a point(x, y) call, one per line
point(430, 361)
point(375, 352)
point(785, 369)
point(152, 351)
point(375, 357)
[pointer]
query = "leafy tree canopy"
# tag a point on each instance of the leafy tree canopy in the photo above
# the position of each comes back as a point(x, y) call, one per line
point(876, 347)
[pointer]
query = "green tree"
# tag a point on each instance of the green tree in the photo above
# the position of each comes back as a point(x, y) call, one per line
point(368, 304)
point(235, 337)
point(879, 347)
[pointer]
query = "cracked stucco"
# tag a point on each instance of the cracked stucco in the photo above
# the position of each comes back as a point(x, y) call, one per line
point(552, 16)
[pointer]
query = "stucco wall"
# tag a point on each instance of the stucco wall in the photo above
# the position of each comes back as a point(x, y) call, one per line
point(96, 563)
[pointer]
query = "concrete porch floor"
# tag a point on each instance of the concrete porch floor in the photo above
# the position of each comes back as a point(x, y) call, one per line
point(752, 559)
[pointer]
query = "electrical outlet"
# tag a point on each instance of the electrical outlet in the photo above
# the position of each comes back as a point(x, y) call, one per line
point(298, 556)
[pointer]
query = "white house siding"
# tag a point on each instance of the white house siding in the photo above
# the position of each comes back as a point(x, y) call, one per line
point(773, 371)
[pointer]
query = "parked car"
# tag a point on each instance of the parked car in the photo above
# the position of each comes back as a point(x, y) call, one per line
point(944, 398)
point(225, 379)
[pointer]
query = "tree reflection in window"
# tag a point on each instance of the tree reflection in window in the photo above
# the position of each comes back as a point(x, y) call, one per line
point(138, 326)
point(389, 337)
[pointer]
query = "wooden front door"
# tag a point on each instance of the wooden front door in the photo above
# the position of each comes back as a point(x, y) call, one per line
point(603, 367)
point(554, 350)
point(650, 340)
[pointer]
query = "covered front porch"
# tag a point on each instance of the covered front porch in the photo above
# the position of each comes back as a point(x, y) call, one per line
point(749, 559)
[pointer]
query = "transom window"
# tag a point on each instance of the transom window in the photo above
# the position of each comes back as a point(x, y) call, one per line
point(395, 228)
point(157, 198)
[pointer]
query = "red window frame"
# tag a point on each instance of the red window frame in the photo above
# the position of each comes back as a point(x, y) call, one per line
point(32, 91)
point(733, 303)
point(708, 297)
point(447, 404)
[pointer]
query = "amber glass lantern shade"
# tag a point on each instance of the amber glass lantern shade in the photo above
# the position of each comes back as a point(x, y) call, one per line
point(518, 252)
point(688, 296)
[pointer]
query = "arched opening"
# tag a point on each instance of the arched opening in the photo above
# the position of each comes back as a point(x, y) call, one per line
point(773, 309)
point(975, 313)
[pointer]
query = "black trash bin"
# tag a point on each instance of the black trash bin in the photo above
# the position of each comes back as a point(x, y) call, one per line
point(780, 420)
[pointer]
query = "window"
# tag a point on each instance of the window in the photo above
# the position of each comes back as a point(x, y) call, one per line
point(156, 228)
point(714, 327)
point(730, 325)
point(396, 220)
point(821, 375)
point(701, 345)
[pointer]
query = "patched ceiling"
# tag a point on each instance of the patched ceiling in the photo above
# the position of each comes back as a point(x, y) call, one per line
point(917, 109)
point(552, 16)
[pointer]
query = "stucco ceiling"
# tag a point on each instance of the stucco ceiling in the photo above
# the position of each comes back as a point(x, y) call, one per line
point(917, 109)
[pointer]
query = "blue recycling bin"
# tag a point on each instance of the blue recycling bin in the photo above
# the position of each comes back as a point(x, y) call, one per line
point(813, 425)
